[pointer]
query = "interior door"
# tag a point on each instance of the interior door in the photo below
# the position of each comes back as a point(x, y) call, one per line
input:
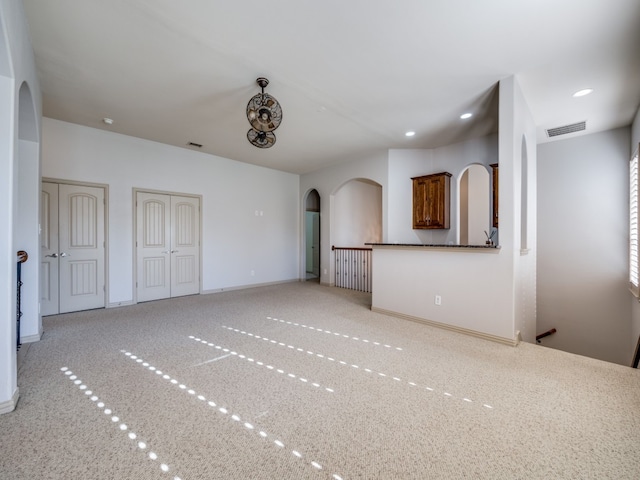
point(73, 248)
point(312, 238)
point(49, 271)
point(309, 242)
point(185, 246)
point(81, 243)
point(167, 246)
point(316, 244)
point(153, 246)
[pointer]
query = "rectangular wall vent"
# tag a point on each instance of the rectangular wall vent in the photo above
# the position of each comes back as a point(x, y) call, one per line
point(574, 127)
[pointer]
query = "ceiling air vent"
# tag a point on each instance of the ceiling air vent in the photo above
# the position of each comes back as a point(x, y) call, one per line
point(574, 127)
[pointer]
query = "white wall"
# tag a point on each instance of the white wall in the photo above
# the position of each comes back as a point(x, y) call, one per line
point(405, 164)
point(583, 244)
point(26, 237)
point(505, 305)
point(17, 70)
point(393, 171)
point(357, 217)
point(517, 143)
point(470, 284)
point(250, 215)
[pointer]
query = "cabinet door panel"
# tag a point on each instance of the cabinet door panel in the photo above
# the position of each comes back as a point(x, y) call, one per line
point(431, 201)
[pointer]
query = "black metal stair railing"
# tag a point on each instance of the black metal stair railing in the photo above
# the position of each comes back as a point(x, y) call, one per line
point(22, 257)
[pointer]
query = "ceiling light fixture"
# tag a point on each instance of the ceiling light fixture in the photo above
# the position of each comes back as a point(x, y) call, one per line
point(464, 116)
point(582, 93)
point(264, 114)
point(410, 134)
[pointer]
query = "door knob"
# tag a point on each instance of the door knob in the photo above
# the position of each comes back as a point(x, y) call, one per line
point(53, 255)
point(64, 254)
point(174, 251)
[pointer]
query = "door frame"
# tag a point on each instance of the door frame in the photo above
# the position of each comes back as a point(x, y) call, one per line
point(135, 191)
point(104, 187)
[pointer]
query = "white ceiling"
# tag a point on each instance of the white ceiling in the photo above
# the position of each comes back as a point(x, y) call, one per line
point(352, 76)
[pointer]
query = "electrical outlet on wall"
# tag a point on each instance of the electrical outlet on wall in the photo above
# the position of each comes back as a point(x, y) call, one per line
point(438, 300)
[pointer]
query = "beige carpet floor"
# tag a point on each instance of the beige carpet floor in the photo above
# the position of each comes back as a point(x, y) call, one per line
point(302, 381)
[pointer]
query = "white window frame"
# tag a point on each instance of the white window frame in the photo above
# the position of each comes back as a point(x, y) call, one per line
point(634, 243)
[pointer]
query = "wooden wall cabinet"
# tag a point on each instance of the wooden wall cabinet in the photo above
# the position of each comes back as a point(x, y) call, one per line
point(494, 168)
point(431, 201)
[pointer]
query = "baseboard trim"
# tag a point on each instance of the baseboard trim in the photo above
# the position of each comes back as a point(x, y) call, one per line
point(10, 405)
point(31, 338)
point(512, 342)
point(245, 287)
point(121, 304)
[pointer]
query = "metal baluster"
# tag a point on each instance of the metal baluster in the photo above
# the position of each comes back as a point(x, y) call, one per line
point(22, 257)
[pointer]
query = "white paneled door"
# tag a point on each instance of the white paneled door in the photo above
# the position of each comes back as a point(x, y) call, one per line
point(167, 246)
point(73, 248)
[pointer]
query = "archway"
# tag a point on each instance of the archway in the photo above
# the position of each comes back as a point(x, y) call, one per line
point(356, 216)
point(475, 205)
point(27, 212)
point(312, 235)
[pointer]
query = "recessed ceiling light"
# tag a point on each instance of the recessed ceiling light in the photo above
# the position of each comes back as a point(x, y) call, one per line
point(410, 134)
point(582, 93)
point(464, 116)
point(108, 121)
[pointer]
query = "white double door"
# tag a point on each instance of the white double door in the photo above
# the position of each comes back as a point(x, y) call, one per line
point(72, 270)
point(167, 246)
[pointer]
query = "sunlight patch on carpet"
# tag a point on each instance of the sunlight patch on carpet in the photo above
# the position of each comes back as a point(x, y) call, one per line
point(260, 364)
point(234, 417)
point(114, 418)
point(329, 332)
point(341, 362)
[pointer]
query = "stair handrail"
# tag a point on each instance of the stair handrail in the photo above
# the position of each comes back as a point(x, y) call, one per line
point(22, 257)
point(551, 331)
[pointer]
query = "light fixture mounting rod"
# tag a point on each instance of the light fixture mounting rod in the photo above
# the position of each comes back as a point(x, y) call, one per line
point(262, 82)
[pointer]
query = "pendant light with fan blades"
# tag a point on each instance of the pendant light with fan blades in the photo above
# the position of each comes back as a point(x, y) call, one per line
point(264, 114)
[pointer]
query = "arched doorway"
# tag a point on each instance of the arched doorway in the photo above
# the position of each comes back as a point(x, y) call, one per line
point(26, 233)
point(475, 205)
point(356, 220)
point(312, 235)
point(356, 215)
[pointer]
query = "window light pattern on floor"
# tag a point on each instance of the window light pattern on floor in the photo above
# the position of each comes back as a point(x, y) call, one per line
point(337, 334)
point(259, 363)
point(123, 427)
point(222, 410)
point(342, 362)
